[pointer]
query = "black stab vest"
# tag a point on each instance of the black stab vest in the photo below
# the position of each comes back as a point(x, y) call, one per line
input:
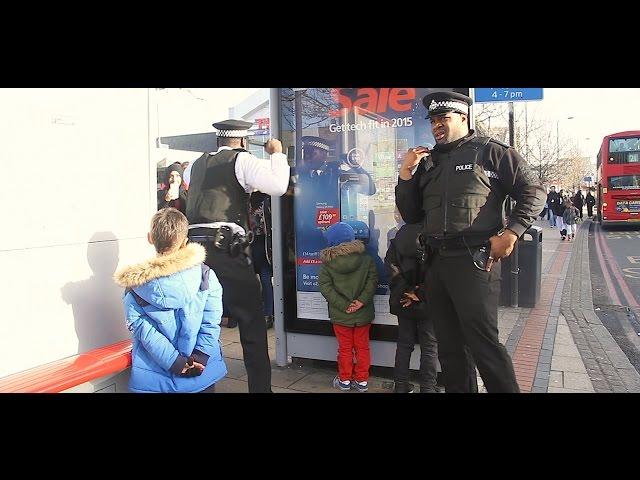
point(214, 192)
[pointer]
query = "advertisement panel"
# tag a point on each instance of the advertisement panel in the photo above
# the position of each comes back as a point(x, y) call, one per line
point(346, 146)
point(627, 206)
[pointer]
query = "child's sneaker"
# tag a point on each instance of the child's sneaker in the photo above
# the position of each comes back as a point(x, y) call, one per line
point(344, 386)
point(360, 386)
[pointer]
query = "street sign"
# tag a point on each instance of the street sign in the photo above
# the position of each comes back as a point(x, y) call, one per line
point(259, 131)
point(505, 94)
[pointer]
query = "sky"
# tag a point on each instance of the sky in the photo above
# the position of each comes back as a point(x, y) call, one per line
point(193, 110)
point(596, 112)
point(586, 105)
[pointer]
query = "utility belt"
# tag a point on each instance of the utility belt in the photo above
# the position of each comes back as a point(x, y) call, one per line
point(476, 245)
point(222, 239)
point(459, 242)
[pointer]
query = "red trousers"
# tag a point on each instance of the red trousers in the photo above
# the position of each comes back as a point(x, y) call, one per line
point(352, 339)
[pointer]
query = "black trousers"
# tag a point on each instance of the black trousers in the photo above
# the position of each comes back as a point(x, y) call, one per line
point(590, 210)
point(463, 303)
point(243, 300)
point(410, 331)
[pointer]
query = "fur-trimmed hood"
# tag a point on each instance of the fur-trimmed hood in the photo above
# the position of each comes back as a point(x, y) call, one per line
point(160, 266)
point(167, 281)
point(328, 254)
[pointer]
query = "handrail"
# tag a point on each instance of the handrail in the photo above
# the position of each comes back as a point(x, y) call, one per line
point(69, 372)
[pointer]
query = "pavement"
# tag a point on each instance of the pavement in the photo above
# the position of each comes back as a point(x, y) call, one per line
point(560, 346)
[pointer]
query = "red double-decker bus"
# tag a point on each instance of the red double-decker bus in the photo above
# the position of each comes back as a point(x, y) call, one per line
point(618, 178)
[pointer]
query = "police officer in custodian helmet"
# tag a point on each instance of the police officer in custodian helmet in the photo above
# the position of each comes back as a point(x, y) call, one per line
point(458, 190)
point(218, 213)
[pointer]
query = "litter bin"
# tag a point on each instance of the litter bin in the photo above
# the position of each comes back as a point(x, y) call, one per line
point(505, 282)
point(530, 263)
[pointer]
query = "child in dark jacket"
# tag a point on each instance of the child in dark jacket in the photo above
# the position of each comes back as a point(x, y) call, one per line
point(405, 302)
point(562, 228)
point(348, 279)
point(569, 217)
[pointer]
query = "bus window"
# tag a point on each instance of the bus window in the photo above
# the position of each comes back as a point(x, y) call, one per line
point(624, 182)
point(624, 150)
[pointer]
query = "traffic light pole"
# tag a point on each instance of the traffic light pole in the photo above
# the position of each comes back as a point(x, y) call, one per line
point(514, 255)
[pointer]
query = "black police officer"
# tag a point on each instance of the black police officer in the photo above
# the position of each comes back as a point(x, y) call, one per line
point(458, 190)
point(218, 214)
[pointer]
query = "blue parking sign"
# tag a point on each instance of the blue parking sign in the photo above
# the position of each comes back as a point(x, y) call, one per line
point(506, 94)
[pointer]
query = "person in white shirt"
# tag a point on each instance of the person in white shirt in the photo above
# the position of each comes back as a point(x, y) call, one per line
point(217, 209)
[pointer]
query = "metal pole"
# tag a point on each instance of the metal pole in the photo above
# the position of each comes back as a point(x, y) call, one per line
point(540, 155)
point(298, 116)
point(514, 254)
point(526, 133)
point(277, 241)
point(558, 142)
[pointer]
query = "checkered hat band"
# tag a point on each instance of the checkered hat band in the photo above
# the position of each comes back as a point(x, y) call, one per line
point(318, 145)
point(460, 106)
point(233, 133)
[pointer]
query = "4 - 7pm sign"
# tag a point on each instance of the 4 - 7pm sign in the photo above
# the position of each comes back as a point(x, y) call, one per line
point(486, 95)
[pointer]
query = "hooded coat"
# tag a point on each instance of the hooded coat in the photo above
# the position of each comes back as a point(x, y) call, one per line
point(405, 271)
point(179, 203)
point(173, 307)
point(347, 274)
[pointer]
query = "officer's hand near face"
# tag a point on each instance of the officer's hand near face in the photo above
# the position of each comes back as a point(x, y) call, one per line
point(501, 246)
point(410, 160)
point(273, 146)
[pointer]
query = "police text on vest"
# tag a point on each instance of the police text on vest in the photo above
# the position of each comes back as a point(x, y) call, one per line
point(459, 168)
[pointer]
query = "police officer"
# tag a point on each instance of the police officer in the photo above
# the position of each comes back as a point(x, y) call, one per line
point(458, 190)
point(335, 184)
point(316, 183)
point(315, 163)
point(217, 209)
point(315, 153)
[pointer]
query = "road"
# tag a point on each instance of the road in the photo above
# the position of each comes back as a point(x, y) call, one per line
point(615, 277)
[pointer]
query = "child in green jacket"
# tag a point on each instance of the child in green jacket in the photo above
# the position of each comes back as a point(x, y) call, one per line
point(348, 281)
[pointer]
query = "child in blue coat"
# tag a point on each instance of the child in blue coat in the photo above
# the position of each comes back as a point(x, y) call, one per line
point(173, 305)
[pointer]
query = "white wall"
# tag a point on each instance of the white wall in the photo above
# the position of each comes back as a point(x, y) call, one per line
point(78, 191)
point(252, 107)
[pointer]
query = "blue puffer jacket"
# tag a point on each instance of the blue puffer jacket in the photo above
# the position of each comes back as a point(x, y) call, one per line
point(175, 312)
